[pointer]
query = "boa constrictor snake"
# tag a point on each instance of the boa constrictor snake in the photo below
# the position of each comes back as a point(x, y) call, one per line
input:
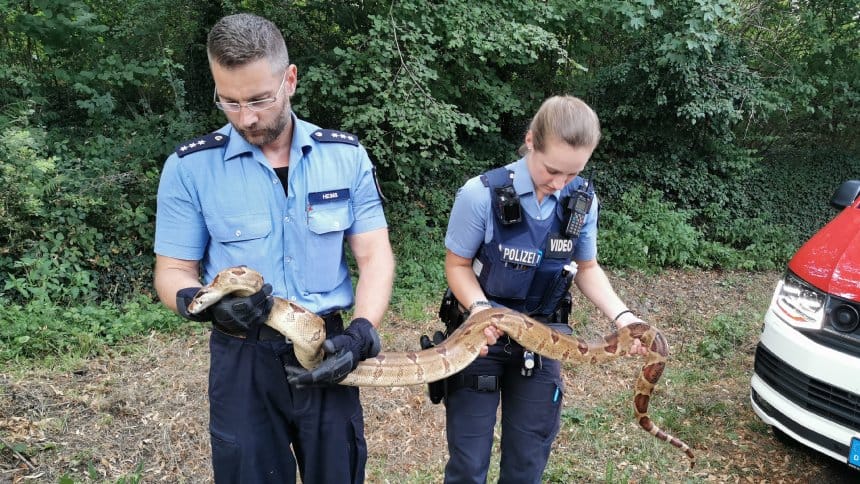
point(306, 330)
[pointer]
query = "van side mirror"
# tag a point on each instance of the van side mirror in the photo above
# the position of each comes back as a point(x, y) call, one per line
point(846, 194)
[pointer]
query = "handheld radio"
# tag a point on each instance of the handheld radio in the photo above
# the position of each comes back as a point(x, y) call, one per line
point(577, 207)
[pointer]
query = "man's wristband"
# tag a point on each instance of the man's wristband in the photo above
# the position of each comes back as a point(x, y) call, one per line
point(622, 313)
point(480, 303)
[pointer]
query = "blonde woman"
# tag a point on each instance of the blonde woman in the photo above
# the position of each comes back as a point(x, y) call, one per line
point(518, 236)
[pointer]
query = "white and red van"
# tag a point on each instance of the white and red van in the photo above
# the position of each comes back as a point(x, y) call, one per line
point(806, 380)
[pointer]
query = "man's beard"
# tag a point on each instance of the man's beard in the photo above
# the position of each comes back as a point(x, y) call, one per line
point(263, 135)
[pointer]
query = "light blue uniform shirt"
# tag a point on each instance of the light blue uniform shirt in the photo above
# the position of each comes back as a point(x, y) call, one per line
point(468, 227)
point(225, 206)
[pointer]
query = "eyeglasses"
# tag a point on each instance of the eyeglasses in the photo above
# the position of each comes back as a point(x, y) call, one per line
point(256, 106)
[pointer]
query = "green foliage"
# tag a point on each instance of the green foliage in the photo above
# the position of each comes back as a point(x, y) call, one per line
point(808, 58)
point(421, 81)
point(755, 242)
point(740, 115)
point(795, 184)
point(81, 156)
point(644, 231)
point(724, 333)
point(41, 329)
point(86, 62)
point(78, 216)
point(673, 91)
point(418, 242)
point(51, 263)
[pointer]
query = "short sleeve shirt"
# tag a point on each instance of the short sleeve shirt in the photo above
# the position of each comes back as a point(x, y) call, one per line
point(225, 206)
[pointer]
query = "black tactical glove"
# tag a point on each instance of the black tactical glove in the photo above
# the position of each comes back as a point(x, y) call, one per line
point(232, 313)
point(343, 352)
point(183, 299)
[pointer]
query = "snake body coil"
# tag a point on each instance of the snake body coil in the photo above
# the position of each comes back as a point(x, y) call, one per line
point(306, 330)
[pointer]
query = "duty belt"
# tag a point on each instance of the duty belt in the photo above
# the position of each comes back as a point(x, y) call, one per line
point(481, 383)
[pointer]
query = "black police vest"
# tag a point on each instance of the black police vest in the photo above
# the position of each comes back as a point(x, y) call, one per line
point(522, 266)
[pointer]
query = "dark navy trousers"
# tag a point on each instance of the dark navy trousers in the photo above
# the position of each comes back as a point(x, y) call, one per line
point(531, 414)
point(261, 427)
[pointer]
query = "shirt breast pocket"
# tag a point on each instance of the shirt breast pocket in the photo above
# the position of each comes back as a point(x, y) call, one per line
point(240, 237)
point(325, 265)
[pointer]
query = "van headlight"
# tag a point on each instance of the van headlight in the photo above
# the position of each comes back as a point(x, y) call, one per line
point(798, 304)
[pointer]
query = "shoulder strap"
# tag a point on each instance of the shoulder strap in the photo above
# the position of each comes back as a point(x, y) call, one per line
point(211, 140)
point(498, 177)
point(334, 136)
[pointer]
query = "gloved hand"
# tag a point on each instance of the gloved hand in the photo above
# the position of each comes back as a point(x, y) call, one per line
point(183, 299)
point(343, 352)
point(231, 313)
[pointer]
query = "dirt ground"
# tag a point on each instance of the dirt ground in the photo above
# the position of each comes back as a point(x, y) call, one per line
point(140, 415)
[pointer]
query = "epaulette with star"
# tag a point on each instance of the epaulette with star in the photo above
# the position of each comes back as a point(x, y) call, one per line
point(334, 136)
point(211, 140)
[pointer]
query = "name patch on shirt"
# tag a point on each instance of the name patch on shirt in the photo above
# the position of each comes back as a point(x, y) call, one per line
point(520, 256)
point(559, 247)
point(329, 196)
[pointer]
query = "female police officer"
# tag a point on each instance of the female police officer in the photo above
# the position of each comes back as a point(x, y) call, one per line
point(511, 237)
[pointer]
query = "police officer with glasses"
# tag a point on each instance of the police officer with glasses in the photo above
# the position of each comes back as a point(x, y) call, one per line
point(280, 195)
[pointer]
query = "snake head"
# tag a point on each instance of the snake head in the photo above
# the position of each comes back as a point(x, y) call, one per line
point(240, 281)
point(204, 298)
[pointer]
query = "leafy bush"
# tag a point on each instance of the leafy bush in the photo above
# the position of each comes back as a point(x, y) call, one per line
point(694, 96)
point(670, 88)
point(795, 183)
point(757, 242)
point(40, 259)
point(723, 335)
point(430, 89)
point(806, 53)
point(418, 242)
point(644, 231)
point(40, 328)
point(78, 217)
